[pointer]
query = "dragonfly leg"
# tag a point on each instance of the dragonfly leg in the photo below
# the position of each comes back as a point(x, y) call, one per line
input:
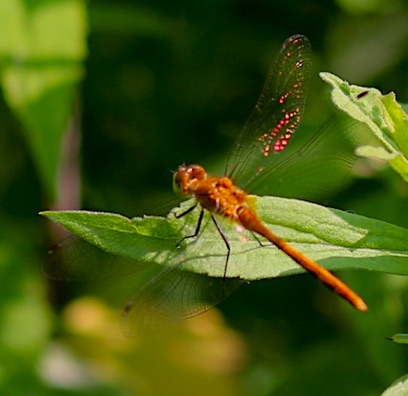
point(197, 230)
point(258, 240)
point(177, 216)
point(225, 239)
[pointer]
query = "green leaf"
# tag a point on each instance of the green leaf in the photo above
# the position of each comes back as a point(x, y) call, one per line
point(399, 338)
point(375, 152)
point(398, 388)
point(399, 121)
point(338, 240)
point(42, 46)
point(382, 114)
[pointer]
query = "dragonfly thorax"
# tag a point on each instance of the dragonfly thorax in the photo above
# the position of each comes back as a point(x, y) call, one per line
point(216, 194)
point(220, 195)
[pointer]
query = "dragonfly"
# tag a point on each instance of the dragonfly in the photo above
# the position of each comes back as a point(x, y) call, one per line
point(255, 162)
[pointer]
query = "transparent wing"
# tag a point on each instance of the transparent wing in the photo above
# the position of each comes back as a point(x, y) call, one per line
point(74, 259)
point(315, 167)
point(277, 114)
point(171, 296)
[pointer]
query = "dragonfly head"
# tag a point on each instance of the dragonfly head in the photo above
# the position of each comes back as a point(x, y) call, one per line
point(186, 177)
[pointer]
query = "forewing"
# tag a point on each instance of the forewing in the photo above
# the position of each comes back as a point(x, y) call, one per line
point(277, 114)
point(74, 259)
point(316, 167)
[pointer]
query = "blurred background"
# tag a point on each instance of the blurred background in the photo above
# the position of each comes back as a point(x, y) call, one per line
point(100, 101)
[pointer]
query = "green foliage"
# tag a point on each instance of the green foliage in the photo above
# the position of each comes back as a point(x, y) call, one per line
point(339, 240)
point(382, 114)
point(42, 47)
point(173, 82)
point(398, 388)
point(399, 338)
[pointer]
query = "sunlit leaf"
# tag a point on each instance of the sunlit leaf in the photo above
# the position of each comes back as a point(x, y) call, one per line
point(382, 114)
point(399, 338)
point(338, 240)
point(398, 388)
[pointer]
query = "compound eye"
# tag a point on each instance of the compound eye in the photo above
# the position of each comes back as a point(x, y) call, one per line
point(179, 181)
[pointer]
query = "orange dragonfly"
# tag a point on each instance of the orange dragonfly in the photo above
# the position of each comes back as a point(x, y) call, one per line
point(175, 294)
point(220, 196)
point(268, 131)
